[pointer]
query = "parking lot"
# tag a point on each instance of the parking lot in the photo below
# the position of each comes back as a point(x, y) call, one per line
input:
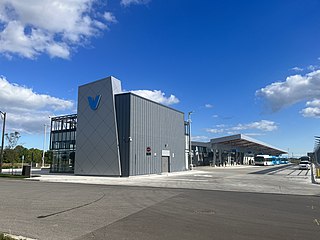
point(223, 203)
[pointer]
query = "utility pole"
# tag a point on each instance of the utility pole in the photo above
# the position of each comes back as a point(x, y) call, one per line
point(2, 140)
point(189, 126)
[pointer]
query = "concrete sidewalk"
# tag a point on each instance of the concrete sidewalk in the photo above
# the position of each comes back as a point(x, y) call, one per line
point(71, 178)
point(237, 178)
point(45, 176)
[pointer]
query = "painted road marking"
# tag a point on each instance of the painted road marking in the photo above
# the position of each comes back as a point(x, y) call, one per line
point(208, 176)
point(187, 180)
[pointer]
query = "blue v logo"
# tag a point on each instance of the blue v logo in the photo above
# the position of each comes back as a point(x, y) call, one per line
point(94, 102)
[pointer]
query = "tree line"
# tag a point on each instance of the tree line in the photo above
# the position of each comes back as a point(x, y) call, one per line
point(15, 155)
point(20, 154)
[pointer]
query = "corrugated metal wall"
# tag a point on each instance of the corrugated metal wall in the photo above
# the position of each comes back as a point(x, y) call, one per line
point(159, 128)
point(123, 123)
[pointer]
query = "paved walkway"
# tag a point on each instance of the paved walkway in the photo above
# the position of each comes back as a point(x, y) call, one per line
point(285, 179)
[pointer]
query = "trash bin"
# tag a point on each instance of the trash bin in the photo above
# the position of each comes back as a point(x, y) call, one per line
point(26, 171)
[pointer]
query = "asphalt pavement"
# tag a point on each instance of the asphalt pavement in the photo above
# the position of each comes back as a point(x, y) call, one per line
point(62, 210)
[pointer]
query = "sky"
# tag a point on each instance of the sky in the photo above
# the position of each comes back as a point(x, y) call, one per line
point(249, 67)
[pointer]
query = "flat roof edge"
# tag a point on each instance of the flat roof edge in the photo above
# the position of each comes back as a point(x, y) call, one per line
point(149, 100)
point(101, 79)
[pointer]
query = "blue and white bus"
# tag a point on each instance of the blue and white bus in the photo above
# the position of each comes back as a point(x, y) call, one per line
point(276, 160)
point(265, 160)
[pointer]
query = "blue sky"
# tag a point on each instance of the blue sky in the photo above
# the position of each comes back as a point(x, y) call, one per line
point(250, 67)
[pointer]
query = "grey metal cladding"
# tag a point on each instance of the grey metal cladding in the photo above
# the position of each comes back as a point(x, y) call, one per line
point(123, 124)
point(97, 151)
point(160, 128)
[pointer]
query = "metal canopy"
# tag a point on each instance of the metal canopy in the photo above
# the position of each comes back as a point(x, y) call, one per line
point(245, 143)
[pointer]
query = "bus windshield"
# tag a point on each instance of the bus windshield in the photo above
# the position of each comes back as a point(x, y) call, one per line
point(259, 159)
point(305, 158)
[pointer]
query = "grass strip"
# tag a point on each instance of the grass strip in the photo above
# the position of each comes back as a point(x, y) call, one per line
point(11, 176)
point(4, 237)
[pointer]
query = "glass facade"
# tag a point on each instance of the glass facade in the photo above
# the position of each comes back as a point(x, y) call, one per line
point(201, 155)
point(63, 143)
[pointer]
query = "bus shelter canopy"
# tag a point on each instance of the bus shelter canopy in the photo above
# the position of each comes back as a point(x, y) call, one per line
point(244, 143)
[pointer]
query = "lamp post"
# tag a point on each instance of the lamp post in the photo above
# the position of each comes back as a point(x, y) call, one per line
point(3, 114)
point(189, 126)
point(44, 144)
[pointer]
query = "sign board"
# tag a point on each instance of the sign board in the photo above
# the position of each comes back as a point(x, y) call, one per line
point(165, 153)
point(148, 151)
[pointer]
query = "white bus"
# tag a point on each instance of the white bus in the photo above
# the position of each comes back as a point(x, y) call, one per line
point(264, 160)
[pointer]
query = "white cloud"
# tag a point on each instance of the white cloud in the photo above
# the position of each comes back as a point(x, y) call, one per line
point(27, 110)
point(254, 134)
point(200, 138)
point(312, 67)
point(157, 96)
point(27, 123)
point(312, 109)
point(131, 2)
point(215, 130)
point(232, 133)
point(22, 97)
point(33, 27)
point(208, 105)
point(311, 112)
point(314, 103)
point(295, 89)
point(297, 69)
point(108, 16)
point(263, 125)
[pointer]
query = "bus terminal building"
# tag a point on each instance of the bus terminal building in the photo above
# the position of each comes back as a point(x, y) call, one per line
point(117, 134)
point(122, 134)
point(237, 149)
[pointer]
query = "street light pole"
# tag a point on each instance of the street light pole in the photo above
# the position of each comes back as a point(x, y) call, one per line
point(44, 143)
point(189, 126)
point(2, 140)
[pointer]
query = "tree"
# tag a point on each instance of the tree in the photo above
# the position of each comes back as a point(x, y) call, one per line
point(9, 155)
point(21, 151)
point(35, 155)
point(48, 157)
point(12, 140)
